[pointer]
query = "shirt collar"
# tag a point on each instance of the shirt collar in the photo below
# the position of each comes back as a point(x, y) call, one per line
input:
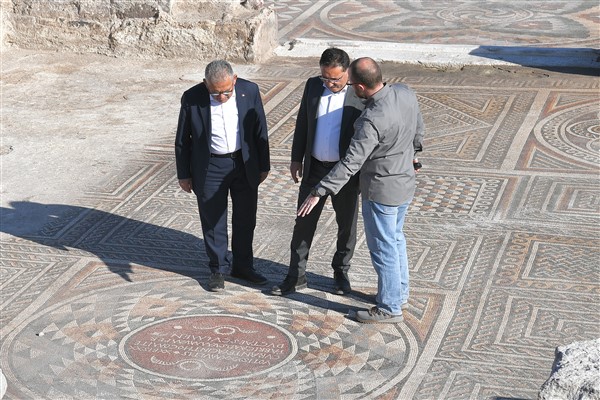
point(380, 94)
point(328, 91)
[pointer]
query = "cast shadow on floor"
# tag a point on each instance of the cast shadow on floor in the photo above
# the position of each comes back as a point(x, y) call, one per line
point(121, 242)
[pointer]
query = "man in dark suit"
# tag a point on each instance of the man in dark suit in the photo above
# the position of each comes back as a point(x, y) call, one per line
point(222, 149)
point(324, 127)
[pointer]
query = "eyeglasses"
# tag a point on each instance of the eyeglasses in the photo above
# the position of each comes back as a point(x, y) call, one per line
point(330, 80)
point(225, 93)
point(351, 83)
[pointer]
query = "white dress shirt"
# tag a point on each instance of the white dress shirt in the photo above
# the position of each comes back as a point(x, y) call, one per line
point(224, 126)
point(329, 122)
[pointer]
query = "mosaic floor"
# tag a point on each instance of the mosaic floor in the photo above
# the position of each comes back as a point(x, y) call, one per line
point(109, 300)
point(511, 23)
point(502, 239)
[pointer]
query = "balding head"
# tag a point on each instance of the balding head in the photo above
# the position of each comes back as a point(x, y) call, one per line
point(366, 71)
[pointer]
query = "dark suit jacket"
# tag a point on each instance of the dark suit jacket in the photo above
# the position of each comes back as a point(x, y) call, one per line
point(192, 141)
point(306, 122)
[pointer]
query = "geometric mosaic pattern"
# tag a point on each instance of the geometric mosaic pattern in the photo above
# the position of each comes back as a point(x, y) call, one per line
point(328, 346)
point(503, 236)
point(538, 22)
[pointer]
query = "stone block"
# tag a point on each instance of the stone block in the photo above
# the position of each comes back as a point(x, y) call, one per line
point(238, 31)
point(575, 373)
point(64, 9)
point(58, 34)
point(3, 384)
point(6, 25)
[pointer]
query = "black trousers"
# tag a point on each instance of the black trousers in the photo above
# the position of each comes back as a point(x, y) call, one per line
point(227, 176)
point(345, 205)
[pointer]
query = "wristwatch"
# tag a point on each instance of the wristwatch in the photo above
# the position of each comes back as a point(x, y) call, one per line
point(318, 191)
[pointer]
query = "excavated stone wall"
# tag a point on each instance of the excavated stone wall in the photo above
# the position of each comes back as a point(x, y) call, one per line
point(237, 30)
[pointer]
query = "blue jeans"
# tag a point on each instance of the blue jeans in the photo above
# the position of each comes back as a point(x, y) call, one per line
point(387, 246)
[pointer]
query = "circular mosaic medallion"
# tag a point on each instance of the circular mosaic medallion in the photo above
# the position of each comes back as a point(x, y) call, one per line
point(478, 15)
point(208, 347)
point(159, 339)
point(574, 132)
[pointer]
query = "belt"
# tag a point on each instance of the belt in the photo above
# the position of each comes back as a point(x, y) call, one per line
point(327, 164)
point(235, 154)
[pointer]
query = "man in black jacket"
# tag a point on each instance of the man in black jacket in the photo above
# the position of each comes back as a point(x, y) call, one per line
point(222, 149)
point(324, 127)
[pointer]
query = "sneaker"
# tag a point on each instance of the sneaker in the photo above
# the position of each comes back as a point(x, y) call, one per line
point(403, 306)
point(376, 315)
point(288, 286)
point(216, 283)
point(250, 276)
point(342, 283)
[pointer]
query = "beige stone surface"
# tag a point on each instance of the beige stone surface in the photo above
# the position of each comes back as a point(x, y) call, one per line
point(148, 29)
point(62, 118)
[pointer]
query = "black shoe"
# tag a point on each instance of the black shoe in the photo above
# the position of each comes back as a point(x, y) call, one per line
point(342, 283)
point(289, 286)
point(216, 282)
point(250, 276)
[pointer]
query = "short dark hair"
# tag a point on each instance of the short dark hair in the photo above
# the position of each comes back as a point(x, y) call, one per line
point(334, 57)
point(366, 71)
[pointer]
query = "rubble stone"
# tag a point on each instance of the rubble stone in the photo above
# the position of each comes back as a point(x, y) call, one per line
point(575, 373)
point(3, 384)
point(241, 31)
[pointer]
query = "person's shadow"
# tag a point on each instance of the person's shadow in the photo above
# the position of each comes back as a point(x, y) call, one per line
point(118, 241)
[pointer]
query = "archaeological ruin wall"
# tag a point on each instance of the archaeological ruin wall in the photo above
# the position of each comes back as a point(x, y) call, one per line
point(237, 30)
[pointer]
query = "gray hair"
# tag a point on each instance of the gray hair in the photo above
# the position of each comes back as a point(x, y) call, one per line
point(218, 71)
